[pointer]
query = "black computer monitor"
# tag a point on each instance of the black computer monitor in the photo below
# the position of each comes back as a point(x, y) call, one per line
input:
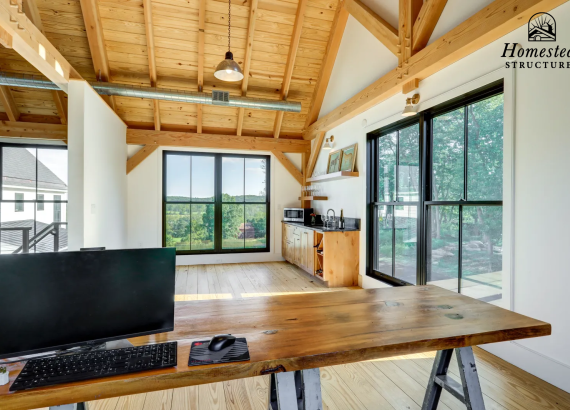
point(51, 301)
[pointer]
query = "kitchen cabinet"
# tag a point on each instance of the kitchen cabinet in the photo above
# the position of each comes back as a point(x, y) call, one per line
point(298, 247)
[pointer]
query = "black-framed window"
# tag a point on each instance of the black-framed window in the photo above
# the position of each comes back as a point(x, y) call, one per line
point(435, 197)
point(33, 178)
point(216, 203)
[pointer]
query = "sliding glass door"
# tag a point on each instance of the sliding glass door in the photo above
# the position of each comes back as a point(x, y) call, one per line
point(216, 203)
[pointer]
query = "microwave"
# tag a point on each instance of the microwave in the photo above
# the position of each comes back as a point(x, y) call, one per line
point(297, 215)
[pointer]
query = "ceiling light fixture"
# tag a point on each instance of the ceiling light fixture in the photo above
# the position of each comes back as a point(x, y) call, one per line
point(410, 110)
point(329, 142)
point(228, 69)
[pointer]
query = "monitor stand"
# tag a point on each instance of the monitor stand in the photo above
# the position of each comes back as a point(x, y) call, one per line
point(116, 344)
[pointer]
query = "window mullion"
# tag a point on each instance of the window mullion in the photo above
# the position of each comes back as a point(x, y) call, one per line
point(465, 145)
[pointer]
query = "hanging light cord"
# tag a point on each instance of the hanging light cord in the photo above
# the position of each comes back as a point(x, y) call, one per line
point(229, 22)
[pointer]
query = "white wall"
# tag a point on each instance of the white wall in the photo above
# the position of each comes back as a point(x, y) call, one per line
point(536, 276)
point(145, 207)
point(97, 209)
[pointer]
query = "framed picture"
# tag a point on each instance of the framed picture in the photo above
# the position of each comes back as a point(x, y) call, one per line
point(348, 158)
point(335, 158)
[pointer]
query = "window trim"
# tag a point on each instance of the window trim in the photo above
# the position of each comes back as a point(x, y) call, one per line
point(218, 250)
point(424, 118)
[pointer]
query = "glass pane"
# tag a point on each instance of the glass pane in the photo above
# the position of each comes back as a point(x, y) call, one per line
point(52, 173)
point(485, 150)
point(443, 252)
point(177, 178)
point(409, 164)
point(232, 179)
point(233, 226)
point(203, 179)
point(384, 240)
point(18, 172)
point(15, 216)
point(178, 226)
point(44, 224)
point(481, 274)
point(387, 167)
point(448, 156)
point(406, 243)
point(255, 228)
point(255, 177)
point(202, 226)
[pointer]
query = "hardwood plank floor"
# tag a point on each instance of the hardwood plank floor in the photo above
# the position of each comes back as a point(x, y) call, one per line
point(397, 383)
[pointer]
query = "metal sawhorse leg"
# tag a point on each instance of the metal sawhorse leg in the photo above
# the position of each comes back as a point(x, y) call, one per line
point(299, 390)
point(468, 391)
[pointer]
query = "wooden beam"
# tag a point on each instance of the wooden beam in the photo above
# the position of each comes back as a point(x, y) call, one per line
point(298, 175)
point(140, 156)
point(410, 86)
point(426, 22)
point(335, 37)
point(5, 38)
point(375, 24)
point(149, 30)
point(409, 10)
point(10, 129)
point(33, 13)
point(305, 163)
point(94, 29)
point(491, 23)
point(247, 60)
point(215, 141)
point(7, 101)
point(315, 154)
point(293, 46)
point(32, 45)
point(201, 36)
point(61, 105)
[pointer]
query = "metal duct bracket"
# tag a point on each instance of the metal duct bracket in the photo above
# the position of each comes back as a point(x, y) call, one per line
point(220, 97)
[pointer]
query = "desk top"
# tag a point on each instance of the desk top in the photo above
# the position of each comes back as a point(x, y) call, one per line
point(294, 332)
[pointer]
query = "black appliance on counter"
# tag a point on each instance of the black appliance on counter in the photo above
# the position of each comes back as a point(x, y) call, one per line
point(297, 215)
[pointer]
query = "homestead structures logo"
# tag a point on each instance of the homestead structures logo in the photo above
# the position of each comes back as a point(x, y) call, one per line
point(542, 27)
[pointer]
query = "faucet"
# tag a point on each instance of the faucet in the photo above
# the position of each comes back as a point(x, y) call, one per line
point(334, 217)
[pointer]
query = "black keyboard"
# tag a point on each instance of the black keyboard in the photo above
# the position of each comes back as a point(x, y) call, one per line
point(92, 365)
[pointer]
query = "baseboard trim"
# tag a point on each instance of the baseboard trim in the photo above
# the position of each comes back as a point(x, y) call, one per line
point(228, 258)
point(533, 362)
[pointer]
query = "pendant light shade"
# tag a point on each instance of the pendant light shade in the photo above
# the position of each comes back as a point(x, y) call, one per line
point(228, 69)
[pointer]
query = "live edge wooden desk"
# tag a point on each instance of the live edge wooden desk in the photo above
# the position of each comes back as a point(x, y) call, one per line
point(290, 337)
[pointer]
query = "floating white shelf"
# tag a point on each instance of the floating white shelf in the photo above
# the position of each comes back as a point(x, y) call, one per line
point(335, 176)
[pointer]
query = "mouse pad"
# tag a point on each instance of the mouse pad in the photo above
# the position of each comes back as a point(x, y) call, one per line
point(200, 355)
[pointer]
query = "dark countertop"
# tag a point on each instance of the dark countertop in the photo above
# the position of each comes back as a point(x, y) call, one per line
point(320, 228)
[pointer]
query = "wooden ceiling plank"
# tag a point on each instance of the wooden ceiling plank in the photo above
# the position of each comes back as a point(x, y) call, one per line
point(140, 156)
point(425, 23)
point(297, 29)
point(7, 101)
point(337, 30)
point(201, 41)
point(292, 169)
point(33, 13)
point(375, 24)
point(491, 23)
point(247, 60)
point(147, 9)
point(96, 39)
point(215, 141)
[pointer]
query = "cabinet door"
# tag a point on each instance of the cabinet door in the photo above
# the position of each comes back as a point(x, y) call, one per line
point(297, 250)
point(311, 252)
point(304, 245)
point(284, 247)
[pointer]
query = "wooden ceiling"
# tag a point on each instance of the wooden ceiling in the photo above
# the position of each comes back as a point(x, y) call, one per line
point(119, 51)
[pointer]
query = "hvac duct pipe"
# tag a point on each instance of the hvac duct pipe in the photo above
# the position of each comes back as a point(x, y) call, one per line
point(216, 98)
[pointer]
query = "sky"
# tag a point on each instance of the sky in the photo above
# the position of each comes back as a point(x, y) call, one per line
point(54, 159)
point(178, 183)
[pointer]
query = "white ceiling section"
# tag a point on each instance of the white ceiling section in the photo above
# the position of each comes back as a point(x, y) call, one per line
point(361, 60)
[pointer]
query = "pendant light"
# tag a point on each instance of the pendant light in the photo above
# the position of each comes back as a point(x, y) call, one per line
point(228, 69)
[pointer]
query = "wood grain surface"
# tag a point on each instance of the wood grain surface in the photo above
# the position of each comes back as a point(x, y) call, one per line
point(322, 330)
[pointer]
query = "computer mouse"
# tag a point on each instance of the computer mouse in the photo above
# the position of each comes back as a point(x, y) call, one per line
point(220, 342)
